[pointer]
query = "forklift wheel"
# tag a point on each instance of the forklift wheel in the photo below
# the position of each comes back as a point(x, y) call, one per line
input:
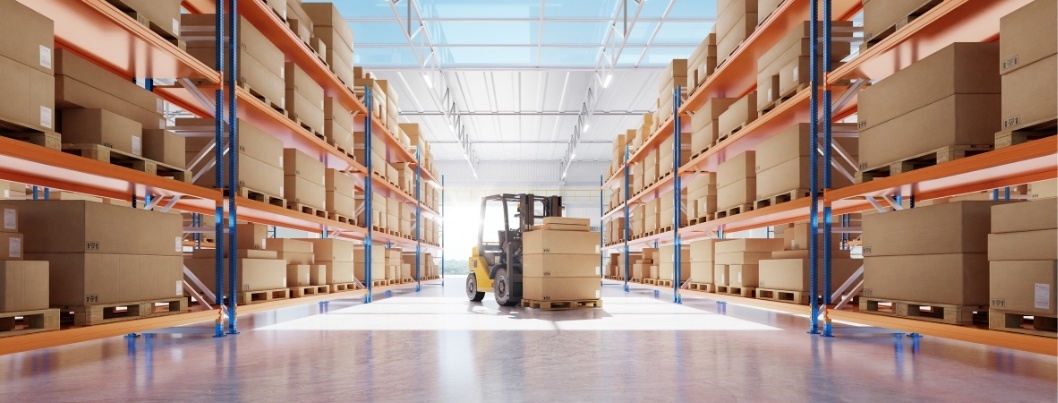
point(472, 289)
point(505, 291)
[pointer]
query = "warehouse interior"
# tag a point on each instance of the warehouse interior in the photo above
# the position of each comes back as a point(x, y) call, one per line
point(529, 200)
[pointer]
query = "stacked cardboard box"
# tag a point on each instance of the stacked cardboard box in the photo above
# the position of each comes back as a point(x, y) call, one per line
point(378, 264)
point(674, 75)
point(406, 220)
point(617, 232)
point(765, 8)
point(299, 21)
point(934, 254)
point(736, 262)
point(701, 63)
point(735, 22)
point(881, 18)
point(392, 112)
point(340, 194)
point(362, 82)
point(304, 99)
point(644, 131)
point(667, 264)
point(560, 265)
point(300, 261)
point(701, 195)
point(408, 267)
point(949, 98)
point(1028, 53)
point(790, 269)
point(666, 153)
point(430, 265)
point(378, 152)
point(329, 27)
point(1043, 189)
point(739, 114)
point(162, 15)
point(665, 210)
point(618, 157)
point(622, 270)
point(338, 125)
point(639, 215)
point(394, 208)
point(23, 283)
point(783, 163)
point(279, 7)
point(650, 220)
point(100, 126)
point(100, 253)
point(786, 68)
point(333, 259)
point(736, 182)
point(260, 155)
point(260, 62)
point(304, 179)
point(1022, 259)
point(705, 124)
point(650, 167)
point(28, 81)
point(164, 146)
point(393, 266)
point(641, 268)
point(637, 173)
point(405, 176)
point(701, 258)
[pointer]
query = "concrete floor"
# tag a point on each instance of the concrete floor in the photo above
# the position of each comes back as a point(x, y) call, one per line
point(436, 346)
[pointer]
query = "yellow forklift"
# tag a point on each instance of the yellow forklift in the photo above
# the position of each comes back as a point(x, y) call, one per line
point(496, 263)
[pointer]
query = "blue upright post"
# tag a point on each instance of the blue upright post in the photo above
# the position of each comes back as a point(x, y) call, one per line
point(813, 241)
point(418, 219)
point(218, 153)
point(442, 231)
point(35, 192)
point(47, 193)
point(827, 160)
point(602, 235)
point(233, 162)
point(627, 228)
point(368, 195)
point(677, 147)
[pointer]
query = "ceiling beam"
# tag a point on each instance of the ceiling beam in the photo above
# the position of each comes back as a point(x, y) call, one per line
point(525, 113)
point(531, 19)
point(587, 46)
point(501, 142)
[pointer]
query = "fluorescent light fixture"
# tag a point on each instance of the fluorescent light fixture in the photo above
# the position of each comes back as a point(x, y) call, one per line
point(586, 127)
point(572, 156)
point(426, 77)
point(606, 82)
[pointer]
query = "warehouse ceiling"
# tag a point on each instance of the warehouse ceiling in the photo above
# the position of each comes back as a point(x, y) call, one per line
point(518, 73)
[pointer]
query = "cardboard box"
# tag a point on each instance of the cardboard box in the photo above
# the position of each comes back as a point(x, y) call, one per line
point(805, 254)
point(1027, 245)
point(251, 274)
point(948, 228)
point(702, 251)
point(163, 14)
point(243, 253)
point(795, 142)
point(959, 278)
point(338, 124)
point(561, 288)
point(641, 270)
point(331, 249)
point(560, 242)
point(28, 36)
point(163, 146)
point(737, 168)
point(9, 220)
point(746, 245)
point(739, 113)
point(260, 61)
point(297, 163)
point(960, 68)
point(1030, 93)
point(329, 25)
point(336, 273)
point(23, 285)
point(1043, 189)
point(253, 141)
point(77, 279)
point(253, 174)
point(735, 194)
point(1028, 216)
point(1028, 35)
point(378, 254)
point(304, 97)
point(720, 274)
point(102, 81)
point(70, 226)
point(302, 191)
point(734, 258)
point(765, 9)
point(701, 272)
point(29, 95)
point(98, 126)
point(729, 41)
point(1024, 286)
point(298, 275)
point(288, 245)
point(792, 175)
point(560, 265)
point(794, 274)
point(879, 16)
point(957, 119)
point(743, 275)
point(795, 237)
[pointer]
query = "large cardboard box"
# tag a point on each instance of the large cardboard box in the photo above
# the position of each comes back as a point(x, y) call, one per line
point(961, 68)
point(330, 27)
point(243, 253)
point(702, 251)
point(1026, 245)
point(301, 190)
point(794, 274)
point(746, 245)
point(793, 175)
point(253, 141)
point(29, 95)
point(298, 275)
point(338, 124)
point(743, 275)
point(163, 14)
point(560, 265)
point(1034, 215)
point(77, 279)
point(304, 98)
point(733, 258)
point(954, 278)
point(879, 16)
point(1024, 286)
point(640, 270)
point(958, 119)
point(163, 146)
point(23, 285)
point(378, 262)
point(28, 36)
point(720, 274)
point(99, 126)
point(738, 193)
point(331, 249)
point(795, 142)
point(297, 163)
point(705, 123)
point(736, 168)
point(561, 288)
point(73, 226)
point(1030, 94)
point(795, 237)
point(560, 242)
point(11, 246)
point(337, 273)
point(948, 228)
point(254, 174)
point(9, 218)
point(701, 272)
point(1028, 34)
point(260, 61)
point(740, 112)
point(251, 274)
point(299, 20)
point(84, 84)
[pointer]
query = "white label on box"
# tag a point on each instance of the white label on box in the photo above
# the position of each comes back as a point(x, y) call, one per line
point(282, 73)
point(176, 26)
point(739, 277)
point(179, 288)
point(281, 190)
point(14, 247)
point(137, 146)
point(45, 57)
point(794, 75)
point(10, 217)
point(1043, 296)
point(598, 293)
point(45, 116)
point(280, 161)
point(179, 244)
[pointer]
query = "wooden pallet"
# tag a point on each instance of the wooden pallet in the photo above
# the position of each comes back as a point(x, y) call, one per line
point(743, 291)
point(664, 230)
point(261, 197)
point(303, 290)
point(742, 208)
point(651, 281)
point(927, 159)
point(345, 287)
point(736, 129)
point(261, 97)
point(781, 198)
point(1008, 321)
point(635, 280)
point(1018, 134)
point(700, 287)
point(559, 305)
point(303, 208)
point(782, 98)
point(379, 283)
point(49, 139)
point(152, 25)
point(793, 297)
point(663, 283)
point(943, 313)
point(120, 158)
point(340, 218)
point(407, 280)
point(36, 321)
point(97, 314)
point(699, 220)
point(254, 297)
point(899, 23)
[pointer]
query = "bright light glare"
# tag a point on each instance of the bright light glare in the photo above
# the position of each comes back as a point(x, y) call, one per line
point(436, 314)
point(586, 127)
point(606, 82)
point(426, 77)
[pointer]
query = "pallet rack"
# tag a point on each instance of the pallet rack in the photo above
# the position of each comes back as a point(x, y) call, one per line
point(949, 21)
point(92, 27)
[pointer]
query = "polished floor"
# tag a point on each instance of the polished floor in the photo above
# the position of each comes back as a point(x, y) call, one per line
point(435, 346)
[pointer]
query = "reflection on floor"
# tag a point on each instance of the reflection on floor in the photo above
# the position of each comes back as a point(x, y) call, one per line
point(436, 346)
